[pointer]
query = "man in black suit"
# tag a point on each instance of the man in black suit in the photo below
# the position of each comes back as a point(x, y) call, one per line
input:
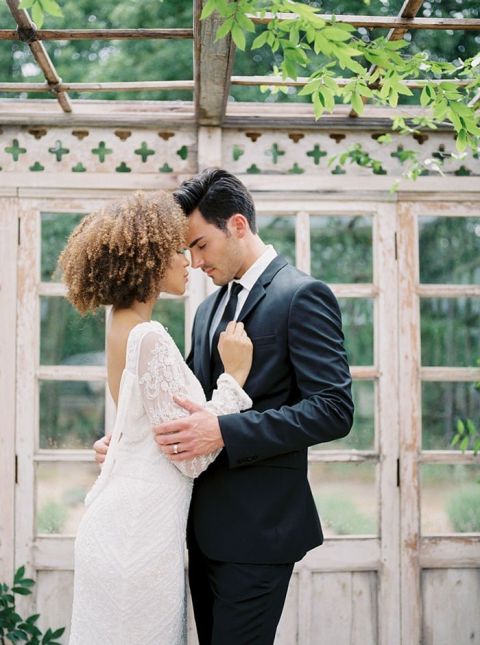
point(252, 514)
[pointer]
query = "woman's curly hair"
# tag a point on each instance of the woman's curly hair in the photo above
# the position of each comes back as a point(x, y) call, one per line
point(120, 253)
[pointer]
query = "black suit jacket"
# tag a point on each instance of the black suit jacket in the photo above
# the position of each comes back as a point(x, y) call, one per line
point(254, 503)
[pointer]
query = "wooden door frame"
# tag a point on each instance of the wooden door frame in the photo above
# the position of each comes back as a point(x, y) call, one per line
point(418, 552)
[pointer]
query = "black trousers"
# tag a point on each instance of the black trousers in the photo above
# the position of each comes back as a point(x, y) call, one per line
point(236, 604)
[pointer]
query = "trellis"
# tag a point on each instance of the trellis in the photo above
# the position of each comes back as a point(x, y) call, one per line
point(212, 60)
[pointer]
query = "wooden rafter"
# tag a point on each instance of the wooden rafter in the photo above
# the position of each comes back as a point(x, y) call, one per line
point(26, 29)
point(409, 10)
point(121, 86)
point(213, 64)
point(99, 34)
point(388, 22)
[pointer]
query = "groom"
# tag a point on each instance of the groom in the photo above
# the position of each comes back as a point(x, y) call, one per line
point(252, 514)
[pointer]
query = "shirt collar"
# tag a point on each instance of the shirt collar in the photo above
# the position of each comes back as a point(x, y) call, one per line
point(252, 274)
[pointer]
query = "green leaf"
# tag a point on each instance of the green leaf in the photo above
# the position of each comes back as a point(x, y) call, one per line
point(224, 29)
point(335, 34)
point(208, 9)
point(357, 103)
point(52, 7)
point(238, 37)
point(424, 97)
point(260, 40)
point(26, 4)
point(21, 591)
point(317, 105)
point(461, 143)
point(19, 574)
point(464, 444)
point(455, 440)
point(37, 15)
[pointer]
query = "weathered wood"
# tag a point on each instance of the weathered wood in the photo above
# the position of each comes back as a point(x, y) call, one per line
point(8, 306)
point(302, 241)
point(449, 457)
point(300, 81)
point(344, 608)
point(448, 290)
point(27, 415)
point(387, 420)
point(342, 456)
point(40, 53)
point(121, 86)
point(99, 34)
point(450, 551)
point(71, 373)
point(395, 22)
point(450, 599)
point(410, 423)
point(60, 455)
point(54, 600)
point(213, 64)
point(450, 373)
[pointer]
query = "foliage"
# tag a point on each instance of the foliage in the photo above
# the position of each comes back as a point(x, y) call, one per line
point(15, 629)
point(378, 67)
point(464, 510)
point(467, 436)
point(343, 517)
point(51, 518)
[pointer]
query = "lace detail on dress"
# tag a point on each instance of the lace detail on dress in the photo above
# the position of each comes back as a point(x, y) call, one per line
point(160, 376)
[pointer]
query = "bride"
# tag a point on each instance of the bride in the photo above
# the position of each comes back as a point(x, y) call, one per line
point(129, 584)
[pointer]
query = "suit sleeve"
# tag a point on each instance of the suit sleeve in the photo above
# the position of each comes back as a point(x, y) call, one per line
point(322, 376)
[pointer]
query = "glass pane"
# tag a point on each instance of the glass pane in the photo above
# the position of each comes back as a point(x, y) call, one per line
point(362, 434)
point(345, 497)
point(61, 489)
point(443, 404)
point(72, 413)
point(450, 329)
point(341, 248)
point(56, 227)
point(171, 313)
point(357, 316)
point(66, 338)
point(449, 250)
point(279, 231)
point(450, 499)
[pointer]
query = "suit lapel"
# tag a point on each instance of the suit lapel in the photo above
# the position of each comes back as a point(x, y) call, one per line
point(258, 291)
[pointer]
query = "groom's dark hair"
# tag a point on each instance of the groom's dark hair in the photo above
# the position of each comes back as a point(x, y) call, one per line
point(218, 195)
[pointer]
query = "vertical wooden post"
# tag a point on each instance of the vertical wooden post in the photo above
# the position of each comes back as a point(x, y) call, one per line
point(8, 302)
point(410, 419)
point(387, 427)
point(28, 332)
point(302, 241)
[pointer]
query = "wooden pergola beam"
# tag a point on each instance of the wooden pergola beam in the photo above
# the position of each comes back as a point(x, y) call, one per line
point(121, 86)
point(26, 26)
point(387, 22)
point(303, 80)
point(98, 34)
point(213, 65)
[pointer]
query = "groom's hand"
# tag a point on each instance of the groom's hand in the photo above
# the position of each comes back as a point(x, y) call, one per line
point(189, 437)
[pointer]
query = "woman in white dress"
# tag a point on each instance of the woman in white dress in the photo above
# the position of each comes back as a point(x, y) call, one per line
point(129, 552)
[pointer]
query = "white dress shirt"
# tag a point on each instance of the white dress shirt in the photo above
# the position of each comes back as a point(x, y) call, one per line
point(247, 281)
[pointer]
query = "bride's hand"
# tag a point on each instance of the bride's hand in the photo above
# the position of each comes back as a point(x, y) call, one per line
point(236, 351)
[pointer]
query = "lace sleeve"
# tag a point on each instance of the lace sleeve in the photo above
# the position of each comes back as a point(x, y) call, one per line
point(162, 374)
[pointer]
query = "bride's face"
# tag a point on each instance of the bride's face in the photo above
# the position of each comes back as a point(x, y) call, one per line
point(175, 279)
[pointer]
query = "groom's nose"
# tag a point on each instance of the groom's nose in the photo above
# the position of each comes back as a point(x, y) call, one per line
point(197, 260)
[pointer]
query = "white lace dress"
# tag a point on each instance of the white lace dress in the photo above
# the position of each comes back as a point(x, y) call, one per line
point(129, 552)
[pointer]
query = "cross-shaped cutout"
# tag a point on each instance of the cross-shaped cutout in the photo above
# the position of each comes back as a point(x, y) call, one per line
point(275, 152)
point(15, 150)
point(102, 151)
point(317, 153)
point(144, 151)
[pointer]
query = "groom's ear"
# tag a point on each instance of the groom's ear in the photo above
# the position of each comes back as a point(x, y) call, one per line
point(238, 225)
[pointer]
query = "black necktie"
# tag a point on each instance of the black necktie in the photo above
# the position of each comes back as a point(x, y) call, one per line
point(227, 316)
